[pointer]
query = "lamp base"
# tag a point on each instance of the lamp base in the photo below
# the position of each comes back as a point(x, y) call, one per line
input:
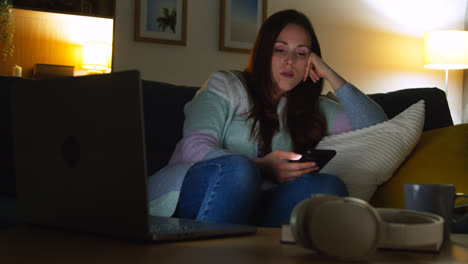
point(92, 72)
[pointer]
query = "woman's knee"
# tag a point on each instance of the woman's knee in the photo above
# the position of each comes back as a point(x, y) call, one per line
point(245, 169)
point(233, 192)
point(326, 184)
point(238, 168)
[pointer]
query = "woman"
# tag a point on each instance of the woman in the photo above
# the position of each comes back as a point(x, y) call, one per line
point(242, 129)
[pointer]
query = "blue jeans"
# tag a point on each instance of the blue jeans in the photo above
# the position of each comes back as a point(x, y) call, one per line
point(227, 189)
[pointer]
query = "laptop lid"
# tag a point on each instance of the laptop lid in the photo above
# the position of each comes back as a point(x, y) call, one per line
point(79, 149)
point(80, 154)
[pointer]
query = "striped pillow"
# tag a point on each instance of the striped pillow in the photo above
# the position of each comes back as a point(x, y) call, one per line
point(369, 156)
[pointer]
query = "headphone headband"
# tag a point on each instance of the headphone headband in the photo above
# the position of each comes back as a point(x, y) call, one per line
point(409, 229)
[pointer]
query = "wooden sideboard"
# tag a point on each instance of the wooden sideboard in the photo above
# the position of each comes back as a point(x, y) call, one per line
point(51, 38)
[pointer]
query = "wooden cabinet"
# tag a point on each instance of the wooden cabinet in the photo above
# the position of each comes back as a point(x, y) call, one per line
point(100, 8)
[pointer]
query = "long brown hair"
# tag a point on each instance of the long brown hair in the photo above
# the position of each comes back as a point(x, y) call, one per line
point(305, 122)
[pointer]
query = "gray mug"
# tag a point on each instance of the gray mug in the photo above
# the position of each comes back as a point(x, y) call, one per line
point(437, 199)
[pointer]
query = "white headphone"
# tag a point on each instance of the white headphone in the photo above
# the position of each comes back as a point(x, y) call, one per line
point(349, 228)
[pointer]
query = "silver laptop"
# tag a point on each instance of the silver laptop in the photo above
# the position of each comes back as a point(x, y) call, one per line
point(80, 162)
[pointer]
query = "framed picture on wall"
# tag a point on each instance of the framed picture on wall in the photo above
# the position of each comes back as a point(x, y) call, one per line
point(240, 22)
point(161, 21)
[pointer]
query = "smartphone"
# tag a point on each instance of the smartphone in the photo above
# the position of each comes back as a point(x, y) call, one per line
point(320, 156)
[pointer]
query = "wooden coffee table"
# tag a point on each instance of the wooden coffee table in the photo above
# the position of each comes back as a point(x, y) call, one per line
point(33, 245)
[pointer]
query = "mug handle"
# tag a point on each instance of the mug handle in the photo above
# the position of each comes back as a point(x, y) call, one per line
point(463, 208)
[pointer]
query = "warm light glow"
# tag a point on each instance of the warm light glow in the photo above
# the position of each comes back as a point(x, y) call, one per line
point(80, 29)
point(446, 49)
point(415, 17)
point(96, 56)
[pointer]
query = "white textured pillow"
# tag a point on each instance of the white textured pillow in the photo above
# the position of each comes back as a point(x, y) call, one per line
point(369, 156)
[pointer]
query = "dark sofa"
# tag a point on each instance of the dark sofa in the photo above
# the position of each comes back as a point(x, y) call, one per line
point(163, 104)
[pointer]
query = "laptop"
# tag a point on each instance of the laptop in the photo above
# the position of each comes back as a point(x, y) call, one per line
point(79, 149)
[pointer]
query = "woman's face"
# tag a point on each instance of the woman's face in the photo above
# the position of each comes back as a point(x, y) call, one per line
point(290, 57)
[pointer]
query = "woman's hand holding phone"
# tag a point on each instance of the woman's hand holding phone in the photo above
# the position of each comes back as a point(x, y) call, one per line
point(320, 156)
point(277, 167)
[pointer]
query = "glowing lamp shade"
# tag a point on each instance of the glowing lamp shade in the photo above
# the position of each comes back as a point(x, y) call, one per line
point(446, 49)
point(96, 56)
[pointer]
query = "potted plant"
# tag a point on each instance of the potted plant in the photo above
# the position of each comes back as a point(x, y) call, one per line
point(7, 28)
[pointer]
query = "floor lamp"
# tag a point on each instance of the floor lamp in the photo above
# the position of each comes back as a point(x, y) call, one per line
point(446, 50)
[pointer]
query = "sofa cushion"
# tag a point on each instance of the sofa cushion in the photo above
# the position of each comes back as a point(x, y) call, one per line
point(163, 106)
point(441, 157)
point(437, 109)
point(369, 156)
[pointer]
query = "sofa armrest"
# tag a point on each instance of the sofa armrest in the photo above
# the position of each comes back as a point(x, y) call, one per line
point(7, 178)
point(440, 157)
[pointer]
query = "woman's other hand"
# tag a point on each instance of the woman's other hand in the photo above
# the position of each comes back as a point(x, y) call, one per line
point(317, 68)
point(277, 168)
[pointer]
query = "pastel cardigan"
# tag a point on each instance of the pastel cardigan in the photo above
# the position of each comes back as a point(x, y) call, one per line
point(216, 124)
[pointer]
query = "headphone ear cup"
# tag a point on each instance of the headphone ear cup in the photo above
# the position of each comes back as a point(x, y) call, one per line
point(344, 228)
point(300, 215)
point(297, 224)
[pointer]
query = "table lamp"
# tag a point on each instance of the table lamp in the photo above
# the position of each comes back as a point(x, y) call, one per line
point(96, 57)
point(446, 50)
